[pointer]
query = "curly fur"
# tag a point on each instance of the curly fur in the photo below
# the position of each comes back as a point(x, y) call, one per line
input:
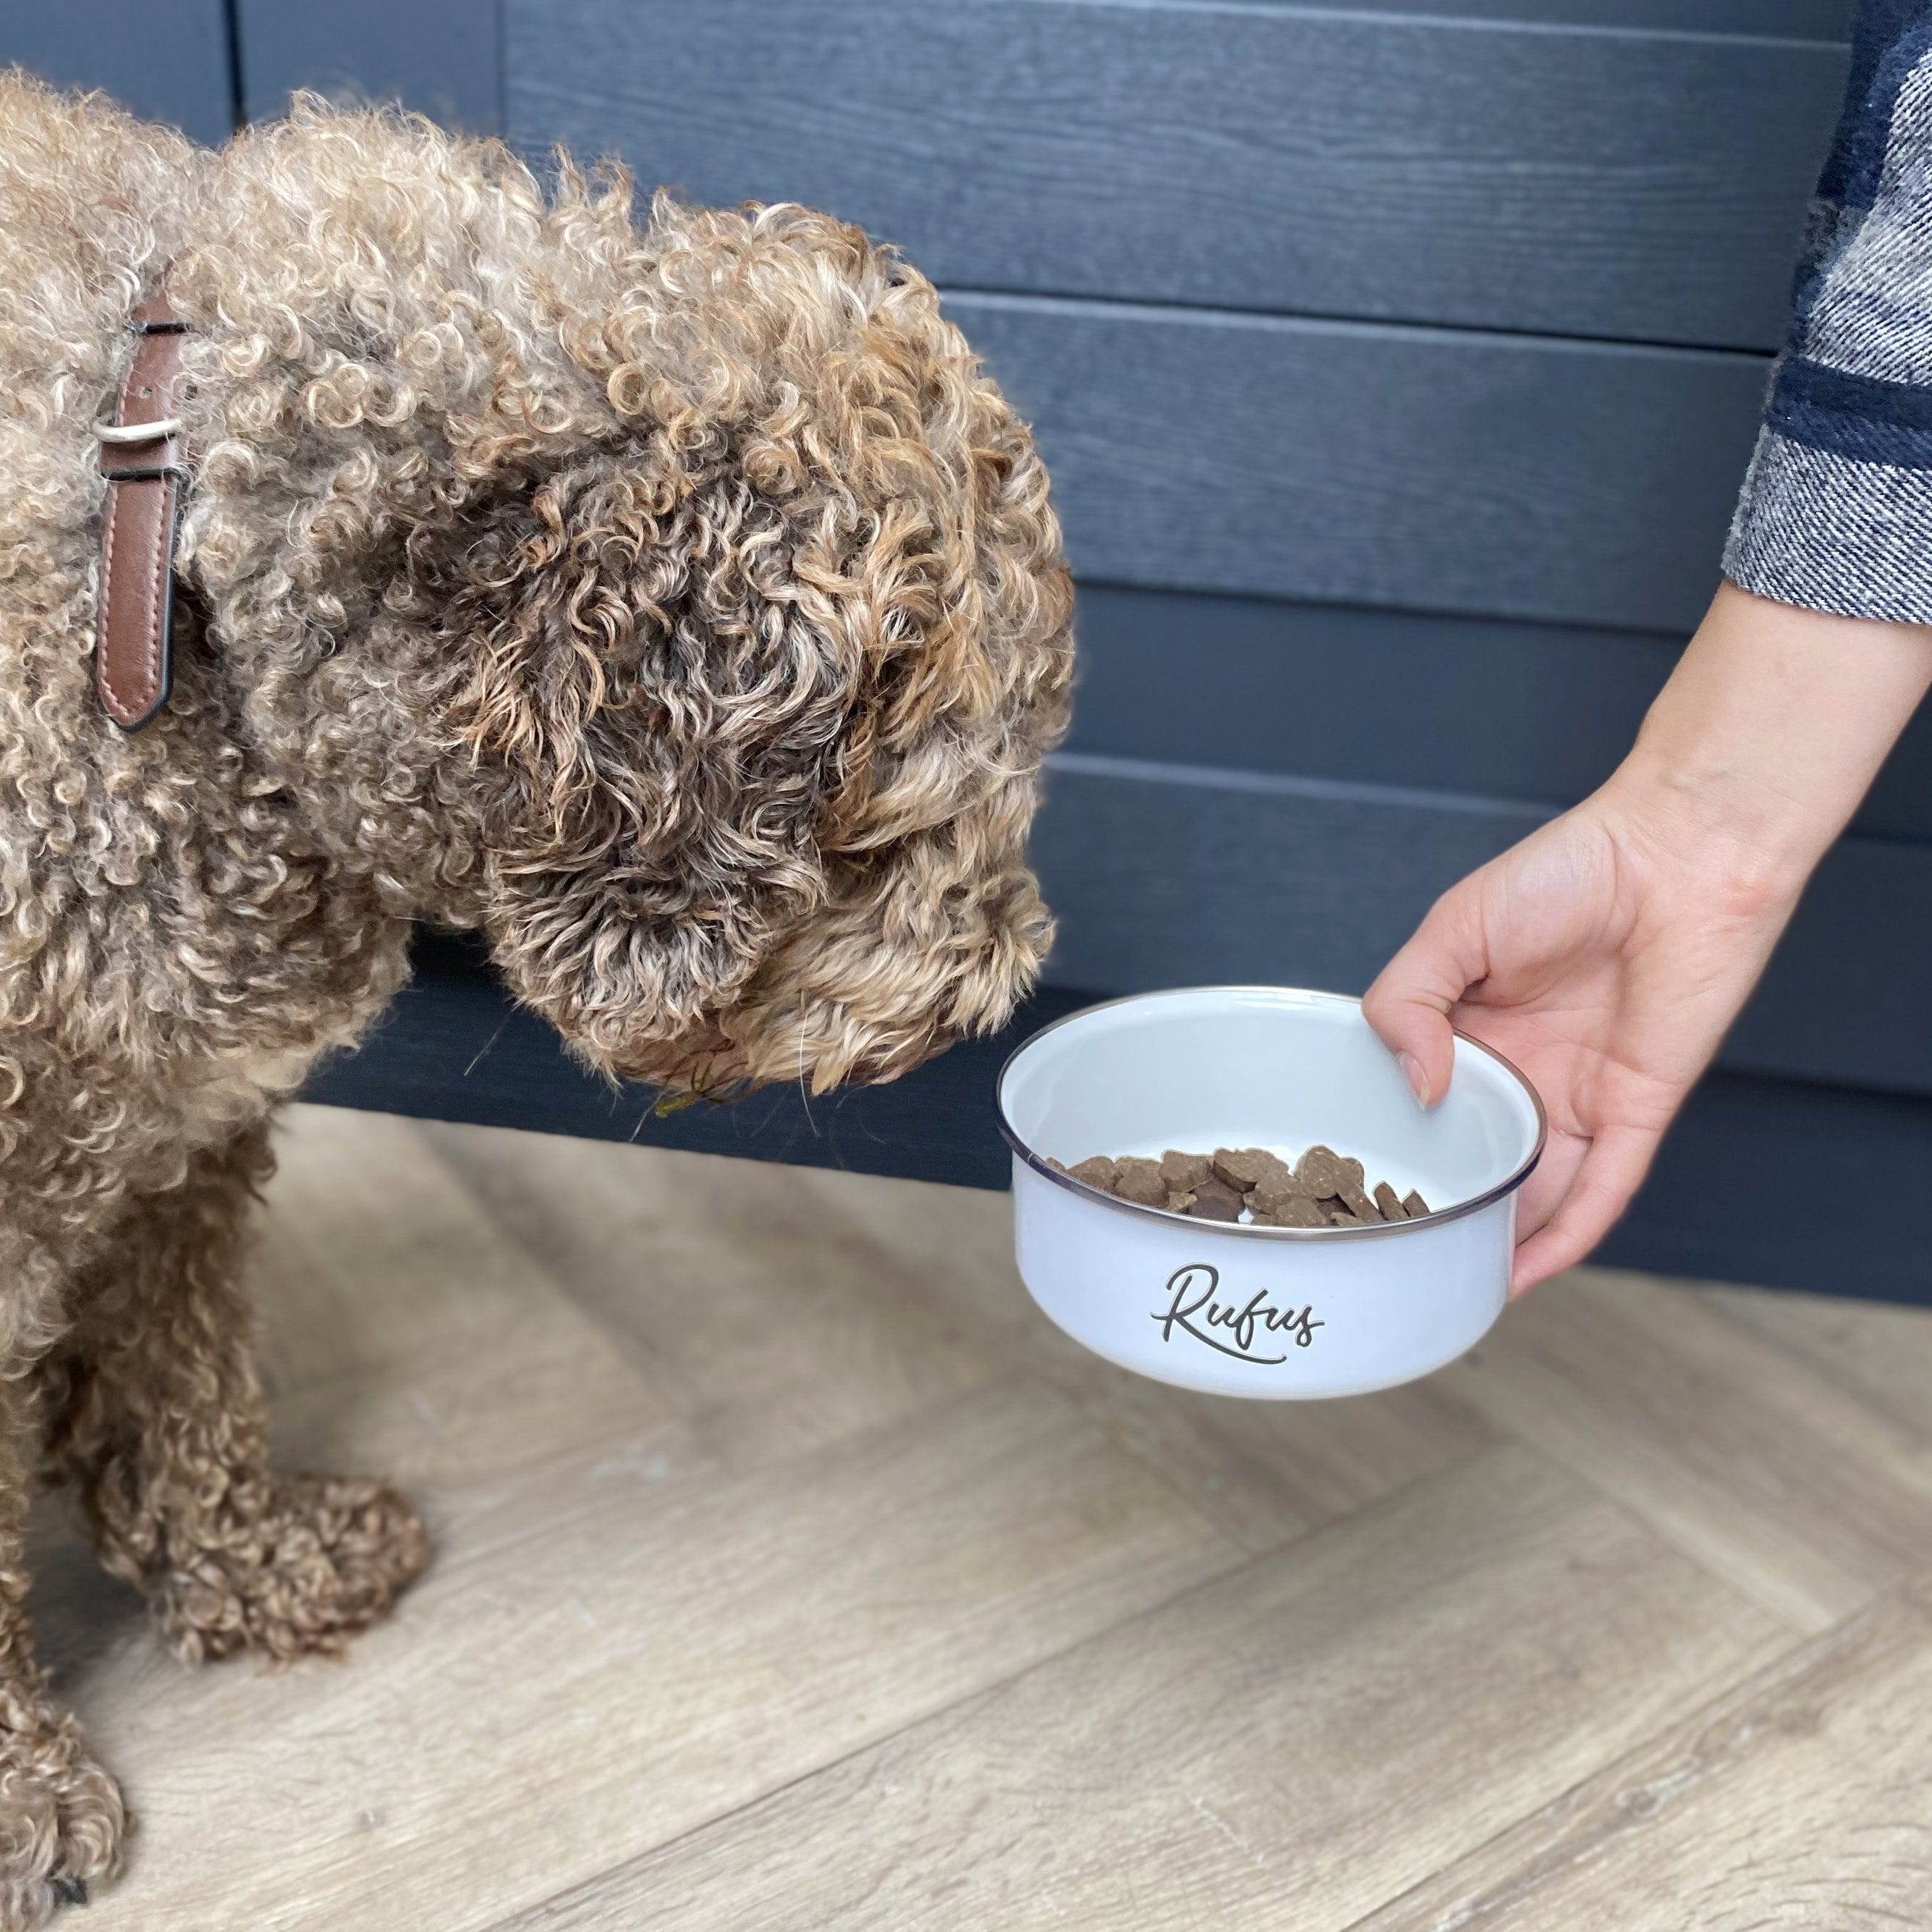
point(677, 605)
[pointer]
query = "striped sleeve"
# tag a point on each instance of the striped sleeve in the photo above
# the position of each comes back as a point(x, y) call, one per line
point(1836, 512)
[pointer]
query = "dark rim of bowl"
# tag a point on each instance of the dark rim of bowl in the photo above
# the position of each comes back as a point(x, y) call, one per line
point(1434, 1218)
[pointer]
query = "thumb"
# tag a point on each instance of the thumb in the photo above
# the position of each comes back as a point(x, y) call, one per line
point(1410, 1003)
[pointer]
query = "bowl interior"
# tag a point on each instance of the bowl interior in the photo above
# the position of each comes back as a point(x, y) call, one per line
point(1264, 1066)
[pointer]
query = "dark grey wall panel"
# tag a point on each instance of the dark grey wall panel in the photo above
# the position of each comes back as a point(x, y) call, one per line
point(1540, 713)
point(1439, 469)
point(442, 58)
point(1537, 712)
point(1784, 1185)
point(1848, 997)
point(167, 62)
point(1486, 173)
point(1165, 876)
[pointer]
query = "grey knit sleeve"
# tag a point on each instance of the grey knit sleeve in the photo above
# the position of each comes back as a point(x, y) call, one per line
point(1836, 513)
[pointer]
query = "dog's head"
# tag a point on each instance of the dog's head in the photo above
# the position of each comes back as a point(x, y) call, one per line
point(757, 684)
point(677, 601)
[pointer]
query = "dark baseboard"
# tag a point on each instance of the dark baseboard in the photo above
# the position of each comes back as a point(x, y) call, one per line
point(454, 1047)
point(1779, 1183)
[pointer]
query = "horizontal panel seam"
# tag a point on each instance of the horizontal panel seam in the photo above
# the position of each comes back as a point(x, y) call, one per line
point(1347, 791)
point(1349, 318)
point(1490, 23)
point(1150, 771)
point(1401, 616)
point(1273, 322)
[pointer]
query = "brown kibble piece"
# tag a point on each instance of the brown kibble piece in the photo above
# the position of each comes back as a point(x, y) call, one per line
point(1413, 1204)
point(1325, 1173)
point(1183, 1172)
point(1058, 1166)
point(1266, 1198)
point(1392, 1209)
point(1275, 1171)
point(1179, 1203)
point(1097, 1170)
point(1340, 1216)
point(1296, 1210)
point(1271, 1195)
point(1232, 1168)
point(1139, 1181)
point(1244, 1169)
point(1218, 1205)
point(1215, 1202)
point(1358, 1204)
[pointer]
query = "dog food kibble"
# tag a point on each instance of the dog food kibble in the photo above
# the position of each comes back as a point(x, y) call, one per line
point(1358, 1203)
point(1214, 1200)
point(1325, 1173)
point(1296, 1210)
point(1184, 1172)
point(1246, 1168)
point(1138, 1179)
point(1322, 1189)
point(1271, 1197)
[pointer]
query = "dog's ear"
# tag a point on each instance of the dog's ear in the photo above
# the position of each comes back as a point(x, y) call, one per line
point(652, 733)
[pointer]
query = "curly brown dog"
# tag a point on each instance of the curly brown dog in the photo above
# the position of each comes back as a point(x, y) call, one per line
point(678, 606)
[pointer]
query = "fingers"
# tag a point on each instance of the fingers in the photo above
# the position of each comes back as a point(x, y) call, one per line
point(1410, 1003)
point(1546, 1190)
point(1609, 1174)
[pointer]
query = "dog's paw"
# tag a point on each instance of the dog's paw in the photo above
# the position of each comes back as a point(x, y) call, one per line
point(323, 1559)
point(61, 1817)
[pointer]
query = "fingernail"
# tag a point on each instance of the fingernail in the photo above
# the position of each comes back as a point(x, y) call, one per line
point(1418, 1080)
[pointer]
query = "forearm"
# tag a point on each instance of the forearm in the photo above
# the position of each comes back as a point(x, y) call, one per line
point(1768, 734)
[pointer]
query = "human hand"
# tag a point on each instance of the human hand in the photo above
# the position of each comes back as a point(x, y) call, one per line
point(1606, 964)
point(1606, 955)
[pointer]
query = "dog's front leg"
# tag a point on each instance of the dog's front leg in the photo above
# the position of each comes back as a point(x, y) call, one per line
point(158, 1414)
point(61, 1817)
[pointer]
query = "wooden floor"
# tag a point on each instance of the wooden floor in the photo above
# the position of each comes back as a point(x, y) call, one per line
point(790, 1572)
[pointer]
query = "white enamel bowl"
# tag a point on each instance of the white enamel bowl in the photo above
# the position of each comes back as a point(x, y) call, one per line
point(1278, 1313)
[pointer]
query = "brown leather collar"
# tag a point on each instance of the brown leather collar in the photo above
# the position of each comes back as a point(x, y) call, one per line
point(141, 457)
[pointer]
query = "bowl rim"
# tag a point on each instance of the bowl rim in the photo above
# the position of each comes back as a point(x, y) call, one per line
point(1435, 1217)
